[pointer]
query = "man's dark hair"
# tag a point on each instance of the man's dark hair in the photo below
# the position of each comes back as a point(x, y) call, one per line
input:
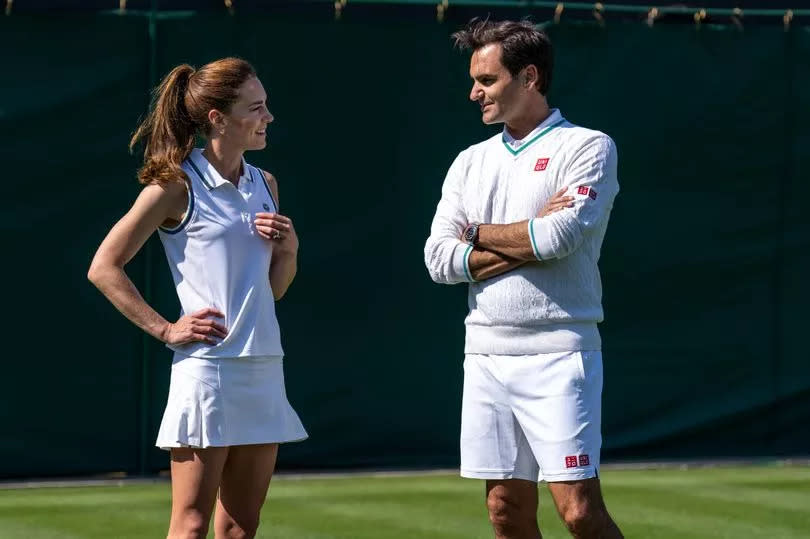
point(522, 45)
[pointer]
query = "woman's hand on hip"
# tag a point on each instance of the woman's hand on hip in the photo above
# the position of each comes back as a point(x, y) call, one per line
point(278, 229)
point(195, 327)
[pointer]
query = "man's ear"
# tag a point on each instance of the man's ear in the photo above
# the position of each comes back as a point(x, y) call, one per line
point(530, 76)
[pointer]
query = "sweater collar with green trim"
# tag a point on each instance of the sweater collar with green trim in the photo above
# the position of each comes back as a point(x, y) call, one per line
point(516, 146)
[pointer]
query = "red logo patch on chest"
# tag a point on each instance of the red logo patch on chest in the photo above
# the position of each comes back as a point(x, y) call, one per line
point(541, 164)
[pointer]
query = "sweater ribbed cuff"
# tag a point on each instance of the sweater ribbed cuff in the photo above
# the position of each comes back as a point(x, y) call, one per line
point(532, 240)
point(540, 239)
point(461, 262)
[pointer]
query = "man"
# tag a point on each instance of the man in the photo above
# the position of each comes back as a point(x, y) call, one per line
point(531, 409)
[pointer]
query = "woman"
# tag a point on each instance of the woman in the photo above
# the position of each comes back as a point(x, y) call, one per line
point(231, 255)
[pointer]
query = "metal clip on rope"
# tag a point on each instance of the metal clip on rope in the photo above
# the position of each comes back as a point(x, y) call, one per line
point(598, 8)
point(651, 16)
point(699, 17)
point(441, 9)
point(558, 12)
point(339, 5)
point(737, 18)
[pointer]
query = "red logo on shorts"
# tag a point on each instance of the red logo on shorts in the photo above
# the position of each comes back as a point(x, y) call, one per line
point(541, 164)
point(585, 190)
point(572, 461)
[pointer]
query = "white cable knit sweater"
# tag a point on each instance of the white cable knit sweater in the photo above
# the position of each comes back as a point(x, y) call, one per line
point(553, 304)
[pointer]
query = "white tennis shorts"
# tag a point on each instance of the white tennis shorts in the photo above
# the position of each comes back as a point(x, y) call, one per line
point(532, 417)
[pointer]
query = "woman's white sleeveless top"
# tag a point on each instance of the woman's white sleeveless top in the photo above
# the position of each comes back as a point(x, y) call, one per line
point(218, 260)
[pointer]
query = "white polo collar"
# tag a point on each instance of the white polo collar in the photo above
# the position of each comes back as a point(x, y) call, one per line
point(209, 175)
point(516, 146)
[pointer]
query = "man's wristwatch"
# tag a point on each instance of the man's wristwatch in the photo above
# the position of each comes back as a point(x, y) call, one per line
point(470, 234)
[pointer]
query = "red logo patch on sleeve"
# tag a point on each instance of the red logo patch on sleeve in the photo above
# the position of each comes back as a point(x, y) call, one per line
point(571, 461)
point(584, 460)
point(541, 164)
point(585, 190)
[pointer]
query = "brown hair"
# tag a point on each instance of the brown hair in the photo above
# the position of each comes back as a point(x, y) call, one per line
point(521, 42)
point(179, 112)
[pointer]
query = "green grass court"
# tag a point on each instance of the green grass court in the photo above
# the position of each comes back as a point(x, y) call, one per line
point(770, 502)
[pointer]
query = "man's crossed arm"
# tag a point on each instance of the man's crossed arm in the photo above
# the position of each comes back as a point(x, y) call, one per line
point(502, 248)
point(557, 231)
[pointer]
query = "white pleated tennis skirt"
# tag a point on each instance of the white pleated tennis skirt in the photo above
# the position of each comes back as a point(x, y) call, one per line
point(226, 402)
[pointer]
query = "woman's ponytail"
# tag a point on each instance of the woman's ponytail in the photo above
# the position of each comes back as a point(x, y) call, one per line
point(168, 132)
